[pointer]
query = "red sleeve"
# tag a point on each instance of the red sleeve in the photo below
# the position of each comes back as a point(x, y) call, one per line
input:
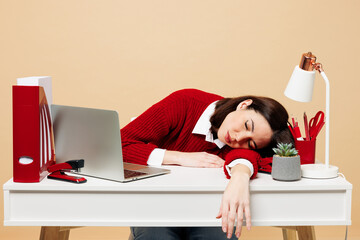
point(141, 136)
point(162, 121)
point(247, 154)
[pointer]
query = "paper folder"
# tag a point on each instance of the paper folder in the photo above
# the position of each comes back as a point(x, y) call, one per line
point(33, 142)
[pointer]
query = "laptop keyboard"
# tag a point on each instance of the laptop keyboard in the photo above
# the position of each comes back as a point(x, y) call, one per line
point(130, 173)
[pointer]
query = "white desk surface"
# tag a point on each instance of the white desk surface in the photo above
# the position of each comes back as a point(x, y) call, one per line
point(185, 197)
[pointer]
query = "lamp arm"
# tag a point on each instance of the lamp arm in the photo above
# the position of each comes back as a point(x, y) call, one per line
point(327, 119)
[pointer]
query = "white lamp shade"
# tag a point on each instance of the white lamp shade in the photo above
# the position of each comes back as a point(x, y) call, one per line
point(301, 85)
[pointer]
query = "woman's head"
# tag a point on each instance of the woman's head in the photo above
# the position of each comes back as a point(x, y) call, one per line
point(252, 122)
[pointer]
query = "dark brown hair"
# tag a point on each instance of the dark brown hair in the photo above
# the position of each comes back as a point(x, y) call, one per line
point(274, 113)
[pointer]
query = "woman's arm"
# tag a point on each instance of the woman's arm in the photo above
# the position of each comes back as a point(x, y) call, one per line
point(193, 159)
point(236, 201)
point(140, 137)
point(161, 127)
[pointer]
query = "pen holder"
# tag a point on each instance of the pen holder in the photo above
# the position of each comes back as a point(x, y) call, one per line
point(306, 150)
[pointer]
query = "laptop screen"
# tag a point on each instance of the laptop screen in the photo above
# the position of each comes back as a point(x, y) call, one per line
point(89, 134)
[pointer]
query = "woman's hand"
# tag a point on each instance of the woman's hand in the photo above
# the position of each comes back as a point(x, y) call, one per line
point(236, 201)
point(193, 159)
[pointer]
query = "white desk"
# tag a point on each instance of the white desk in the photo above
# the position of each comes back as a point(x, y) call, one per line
point(186, 197)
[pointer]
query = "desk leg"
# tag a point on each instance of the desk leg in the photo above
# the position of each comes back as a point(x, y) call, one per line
point(306, 232)
point(55, 233)
point(289, 234)
point(303, 232)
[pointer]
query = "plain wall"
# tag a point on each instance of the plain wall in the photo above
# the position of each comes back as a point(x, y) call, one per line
point(126, 55)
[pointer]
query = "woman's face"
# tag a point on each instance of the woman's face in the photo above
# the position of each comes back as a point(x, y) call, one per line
point(245, 128)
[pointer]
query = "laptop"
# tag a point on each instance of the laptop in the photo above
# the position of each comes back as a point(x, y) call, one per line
point(94, 135)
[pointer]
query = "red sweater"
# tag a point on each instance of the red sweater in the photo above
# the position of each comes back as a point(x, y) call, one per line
point(169, 123)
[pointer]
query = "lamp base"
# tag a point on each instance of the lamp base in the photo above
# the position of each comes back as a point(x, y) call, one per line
point(319, 171)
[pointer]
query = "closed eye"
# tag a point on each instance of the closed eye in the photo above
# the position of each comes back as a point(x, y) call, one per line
point(247, 126)
point(253, 145)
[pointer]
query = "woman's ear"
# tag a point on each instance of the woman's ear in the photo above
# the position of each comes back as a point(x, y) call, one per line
point(244, 104)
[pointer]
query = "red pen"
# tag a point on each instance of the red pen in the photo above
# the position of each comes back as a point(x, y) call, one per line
point(292, 131)
point(306, 123)
point(297, 132)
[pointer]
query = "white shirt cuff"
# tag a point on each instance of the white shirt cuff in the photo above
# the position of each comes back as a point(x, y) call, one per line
point(240, 161)
point(156, 157)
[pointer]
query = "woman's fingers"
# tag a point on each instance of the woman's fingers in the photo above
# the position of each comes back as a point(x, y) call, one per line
point(224, 219)
point(193, 159)
point(235, 212)
point(231, 220)
point(245, 210)
point(200, 159)
point(248, 217)
point(204, 159)
point(211, 160)
point(239, 223)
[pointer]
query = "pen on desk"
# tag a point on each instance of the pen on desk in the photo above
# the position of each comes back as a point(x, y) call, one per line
point(306, 124)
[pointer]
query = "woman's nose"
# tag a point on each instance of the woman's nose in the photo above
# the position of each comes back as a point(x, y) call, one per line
point(242, 137)
point(237, 137)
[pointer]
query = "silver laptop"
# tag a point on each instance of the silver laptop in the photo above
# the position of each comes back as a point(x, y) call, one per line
point(94, 135)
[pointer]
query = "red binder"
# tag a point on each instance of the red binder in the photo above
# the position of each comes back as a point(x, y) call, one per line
point(33, 142)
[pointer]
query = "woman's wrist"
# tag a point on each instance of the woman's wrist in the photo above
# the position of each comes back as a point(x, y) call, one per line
point(240, 170)
point(171, 157)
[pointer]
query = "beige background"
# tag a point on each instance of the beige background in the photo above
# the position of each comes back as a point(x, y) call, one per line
point(126, 55)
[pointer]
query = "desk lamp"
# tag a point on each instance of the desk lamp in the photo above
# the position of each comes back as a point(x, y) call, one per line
point(300, 88)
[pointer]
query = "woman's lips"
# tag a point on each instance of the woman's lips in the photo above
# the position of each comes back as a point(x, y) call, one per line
point(227, 138)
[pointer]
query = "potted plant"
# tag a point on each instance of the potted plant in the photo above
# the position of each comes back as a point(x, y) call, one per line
point(286, 163)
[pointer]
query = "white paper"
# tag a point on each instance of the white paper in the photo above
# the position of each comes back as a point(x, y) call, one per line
point(42, 81)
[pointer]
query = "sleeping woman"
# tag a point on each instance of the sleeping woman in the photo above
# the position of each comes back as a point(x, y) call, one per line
point(193, 128)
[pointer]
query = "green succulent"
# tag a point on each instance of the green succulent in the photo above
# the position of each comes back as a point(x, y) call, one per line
point(285, 150)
